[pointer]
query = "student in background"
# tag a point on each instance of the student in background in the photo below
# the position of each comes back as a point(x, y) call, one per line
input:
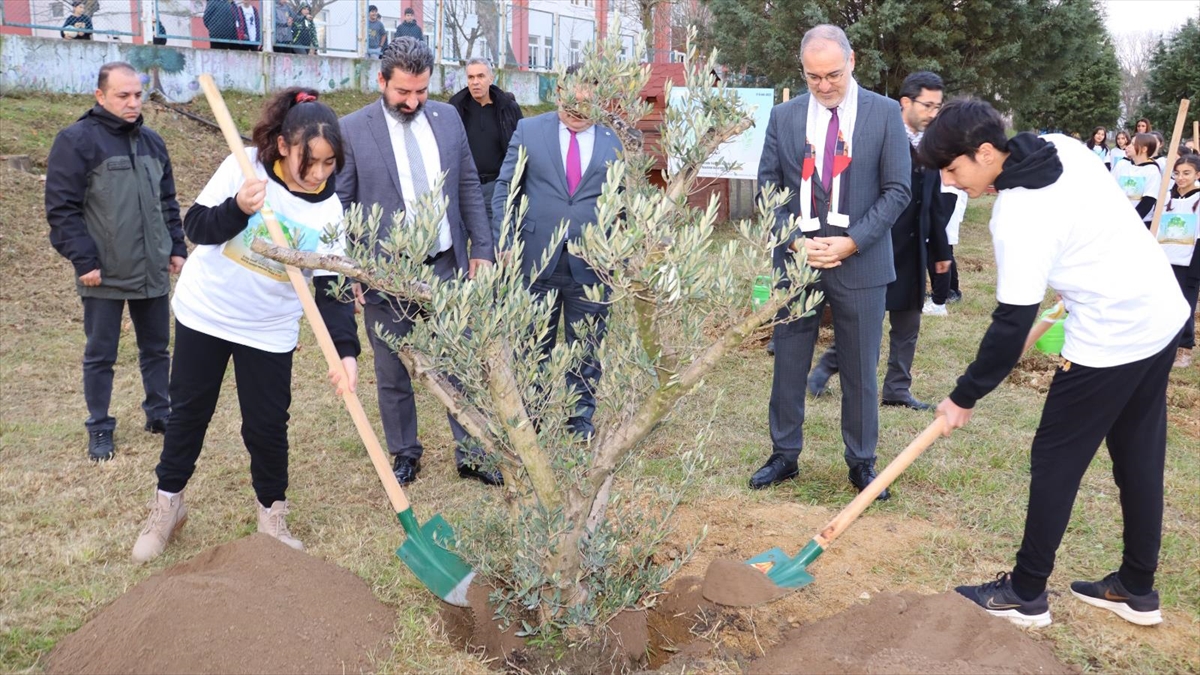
point(1117, 154)
point(1098, 143)
point(1142, 126)
point(1177, 235)
point(1160, 153)
point(1140, 177)
point(78, 26)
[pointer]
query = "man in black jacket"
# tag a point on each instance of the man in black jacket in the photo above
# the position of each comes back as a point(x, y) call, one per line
point(218, 20)
point(110, 202)
point(918, 235)
point(490, 116)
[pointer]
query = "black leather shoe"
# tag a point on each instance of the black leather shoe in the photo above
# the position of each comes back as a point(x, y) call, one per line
point(406, 469)
point(776, 470)
point(909, 402)
point(100, 446)
point(818, 382)
point(493, 477)
point(861, 476)
point(157, 426)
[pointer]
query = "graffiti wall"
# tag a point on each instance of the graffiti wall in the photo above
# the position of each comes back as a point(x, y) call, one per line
point(69, 67)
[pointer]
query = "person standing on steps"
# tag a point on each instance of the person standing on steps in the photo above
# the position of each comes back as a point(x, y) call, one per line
point(918, 239)
point(1059, 223)
point(234, 304)
point(843, 153)
point(396, 148)
point(111, 206)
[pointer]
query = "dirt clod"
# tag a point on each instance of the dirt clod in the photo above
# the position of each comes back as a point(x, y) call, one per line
point(735, 584)
point(250, 606)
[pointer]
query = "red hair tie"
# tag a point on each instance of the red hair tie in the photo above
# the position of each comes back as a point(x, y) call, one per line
point(305, 97)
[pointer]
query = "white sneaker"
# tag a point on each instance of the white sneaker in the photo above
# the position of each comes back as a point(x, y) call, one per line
point(167, 515)
point(931, 309)
point(273, 522)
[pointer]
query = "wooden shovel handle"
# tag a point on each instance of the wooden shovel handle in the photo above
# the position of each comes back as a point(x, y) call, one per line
point(1039, 329)
point(366, 433)
point(892, 471)
point(1172, 153)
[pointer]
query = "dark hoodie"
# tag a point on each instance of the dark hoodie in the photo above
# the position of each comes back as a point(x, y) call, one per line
point(110, 202)
point(508, 113)
point(1032, 164)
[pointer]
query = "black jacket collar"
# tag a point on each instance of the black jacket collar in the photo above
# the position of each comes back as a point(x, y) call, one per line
point(116, 125)
point(1032, 163)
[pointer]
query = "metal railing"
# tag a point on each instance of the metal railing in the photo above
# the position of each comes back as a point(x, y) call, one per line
point(537, 35)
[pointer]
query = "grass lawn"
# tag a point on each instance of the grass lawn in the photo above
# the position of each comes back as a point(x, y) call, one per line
point(67, 526)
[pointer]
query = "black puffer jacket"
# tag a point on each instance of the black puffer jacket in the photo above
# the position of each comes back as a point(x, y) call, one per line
point(507, 109)
point(110, 202)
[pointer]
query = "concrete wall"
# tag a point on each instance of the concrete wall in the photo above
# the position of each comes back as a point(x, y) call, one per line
point(69, 67)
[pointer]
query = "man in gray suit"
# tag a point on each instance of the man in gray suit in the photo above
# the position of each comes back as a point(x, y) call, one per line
point(843, 153)
point(395, 149)
point(564, 173)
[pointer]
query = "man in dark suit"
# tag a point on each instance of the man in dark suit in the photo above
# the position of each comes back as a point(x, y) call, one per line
point(564, 174)
point(918, 236)
point(843, 153)
point(395, 150)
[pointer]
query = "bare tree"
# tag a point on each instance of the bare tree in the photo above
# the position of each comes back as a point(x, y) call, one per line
point(1135, 49)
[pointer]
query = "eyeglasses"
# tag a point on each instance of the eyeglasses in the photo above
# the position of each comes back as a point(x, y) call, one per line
point(935, 107)
point(832, 78)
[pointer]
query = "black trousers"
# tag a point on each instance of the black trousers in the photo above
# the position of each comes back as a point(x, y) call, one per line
point(1191, 289)
point(942, 285)
point(573, 307)
point(264, 389)
point(1126, 406)
point(102, 327)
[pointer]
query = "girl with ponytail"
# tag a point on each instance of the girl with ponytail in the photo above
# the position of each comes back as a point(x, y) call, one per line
point(232, 303)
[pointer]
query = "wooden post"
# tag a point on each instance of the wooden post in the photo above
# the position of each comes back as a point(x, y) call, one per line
point(787, 94)
point(1172, 154)
point(362, 29)
point(441, 26)
point(1196, 136)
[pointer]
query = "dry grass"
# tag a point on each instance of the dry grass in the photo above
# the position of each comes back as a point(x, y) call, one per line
point(67, 525)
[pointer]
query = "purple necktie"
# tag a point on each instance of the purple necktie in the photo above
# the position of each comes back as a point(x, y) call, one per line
point(830, 145)
point(574, 172)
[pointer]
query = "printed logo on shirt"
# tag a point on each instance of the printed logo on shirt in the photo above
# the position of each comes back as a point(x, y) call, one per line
point(298, 237)
point(1134, 187)
point(1178, 228)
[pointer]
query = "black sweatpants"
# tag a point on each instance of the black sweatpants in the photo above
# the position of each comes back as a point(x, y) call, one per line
point(1190, 286)
point(102, 326)
point(941, 286)
point(264, 389)
point(1126, 406)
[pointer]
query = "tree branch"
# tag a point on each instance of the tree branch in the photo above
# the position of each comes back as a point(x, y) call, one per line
point(347, 267)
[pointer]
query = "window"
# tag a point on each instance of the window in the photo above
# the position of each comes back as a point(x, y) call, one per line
point(575, 55)
point(56, 10)
point(540, 52)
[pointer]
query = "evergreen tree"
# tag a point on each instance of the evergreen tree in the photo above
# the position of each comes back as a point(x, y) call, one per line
point(1174, 75)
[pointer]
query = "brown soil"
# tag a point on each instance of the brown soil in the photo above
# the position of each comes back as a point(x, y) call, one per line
point(909, 633)
point(733, 583)
point(249, 606)
point(619, 647)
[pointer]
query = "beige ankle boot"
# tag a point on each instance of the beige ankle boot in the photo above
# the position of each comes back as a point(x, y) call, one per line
point(167, 515)
point(273, 522)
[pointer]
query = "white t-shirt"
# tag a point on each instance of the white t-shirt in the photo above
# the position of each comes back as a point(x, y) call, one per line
point(230, 292)
point(956, 218)
point(1177, 230)
point(1115, 155)
point(1080, 237)
point(1138, 181)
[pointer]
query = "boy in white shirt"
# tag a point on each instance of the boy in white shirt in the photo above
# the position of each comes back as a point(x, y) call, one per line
point(1056, 222)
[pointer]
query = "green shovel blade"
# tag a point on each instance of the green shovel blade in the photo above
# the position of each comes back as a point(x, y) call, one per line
point(424, 553)
point(786, 571)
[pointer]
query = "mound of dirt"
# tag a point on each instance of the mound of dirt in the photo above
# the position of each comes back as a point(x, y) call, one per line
point(909, 633)
point(249, 606)
point(733, 583)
